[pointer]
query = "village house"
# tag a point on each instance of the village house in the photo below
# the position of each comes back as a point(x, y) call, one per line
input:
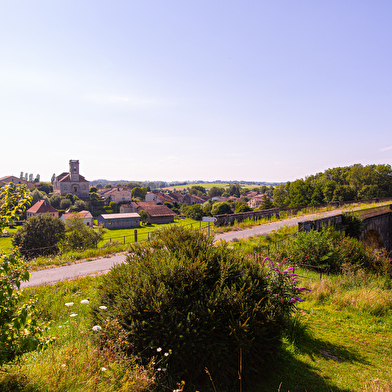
point(193, 199)
point(84, 215)
point(71, 182)
point(255, 201)
point(159, 198)
point(41, 207)
point(17, 181)
point(117, 194)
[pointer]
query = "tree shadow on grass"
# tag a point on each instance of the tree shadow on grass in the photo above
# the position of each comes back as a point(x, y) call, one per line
point(289, 373)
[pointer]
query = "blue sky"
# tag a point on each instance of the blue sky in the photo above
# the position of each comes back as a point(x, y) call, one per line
point(194, 90)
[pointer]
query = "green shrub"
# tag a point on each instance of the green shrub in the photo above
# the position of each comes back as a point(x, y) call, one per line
point(204, 304)
point(39, 235)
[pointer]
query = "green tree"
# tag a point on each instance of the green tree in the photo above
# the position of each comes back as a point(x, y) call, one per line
point(266, 203)
point(78, 235)
point(39, 235)
point(80, 205)
point(221, 208)
point(144, 217)
point(132, 185)
point(38, 195)
point(55, 200)
point(137, 192)
point(46, 187)
point(65, 204)
point(280, 196)
point(195, 212)
point(235, 190)
point(242, 207)
point(215, 192)
point(197, 190)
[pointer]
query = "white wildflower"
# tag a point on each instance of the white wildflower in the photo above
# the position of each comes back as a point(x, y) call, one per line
point(73, 315)
point(97, 328)
point(69, 304)
point(102, 307)
point(159, 349)
point(84, 301)
point(166, 354)
point(103, 369)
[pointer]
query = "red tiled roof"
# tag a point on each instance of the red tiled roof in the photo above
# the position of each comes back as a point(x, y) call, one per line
point(65, 177)
point(153, 209)
point(41, 207)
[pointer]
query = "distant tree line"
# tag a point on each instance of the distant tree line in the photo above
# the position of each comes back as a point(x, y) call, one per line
point(356, 182)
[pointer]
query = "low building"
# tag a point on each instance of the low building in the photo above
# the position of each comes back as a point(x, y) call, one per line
point(41, 207)
point(119, 221)
point(117, 194)
point(84, 215)
point(157, 214)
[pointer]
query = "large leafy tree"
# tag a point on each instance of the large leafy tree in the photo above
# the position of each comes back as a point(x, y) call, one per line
point(39, 235)
point(78, 235)
point(19, 330)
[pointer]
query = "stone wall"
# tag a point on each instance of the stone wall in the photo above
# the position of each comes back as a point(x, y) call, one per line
point(229, 219)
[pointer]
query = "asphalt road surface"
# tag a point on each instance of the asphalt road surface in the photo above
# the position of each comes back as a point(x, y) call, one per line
point(99, 266)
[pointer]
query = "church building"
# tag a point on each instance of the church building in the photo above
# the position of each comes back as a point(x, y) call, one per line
point(71, 182)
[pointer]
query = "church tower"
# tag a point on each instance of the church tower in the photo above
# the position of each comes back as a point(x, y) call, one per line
point(74, 170)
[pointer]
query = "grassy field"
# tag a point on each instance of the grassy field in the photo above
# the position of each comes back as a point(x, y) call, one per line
point(127, 235)
point(340, 341)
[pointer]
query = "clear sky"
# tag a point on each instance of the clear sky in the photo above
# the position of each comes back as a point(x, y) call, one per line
point(194, 90)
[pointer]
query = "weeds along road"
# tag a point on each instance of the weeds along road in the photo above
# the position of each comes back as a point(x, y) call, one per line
point(99, 266)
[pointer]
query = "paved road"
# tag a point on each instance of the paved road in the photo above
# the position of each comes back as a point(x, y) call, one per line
point(99, 266)
point(72, 271)
point(267, 228)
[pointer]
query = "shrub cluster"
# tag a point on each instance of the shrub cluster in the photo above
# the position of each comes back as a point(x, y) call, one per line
point(330, 248)
point(204, 304)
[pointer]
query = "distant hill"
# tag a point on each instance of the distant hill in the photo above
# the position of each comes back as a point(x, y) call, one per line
point(182, 184)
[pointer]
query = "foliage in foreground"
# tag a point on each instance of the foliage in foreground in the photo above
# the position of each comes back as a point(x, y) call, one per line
point(204, 303)
point(20, 331)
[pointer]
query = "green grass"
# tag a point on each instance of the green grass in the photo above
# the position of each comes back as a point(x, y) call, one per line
point(74, 362)
point(336, 343)
point(144, 230)
point(346, 345)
